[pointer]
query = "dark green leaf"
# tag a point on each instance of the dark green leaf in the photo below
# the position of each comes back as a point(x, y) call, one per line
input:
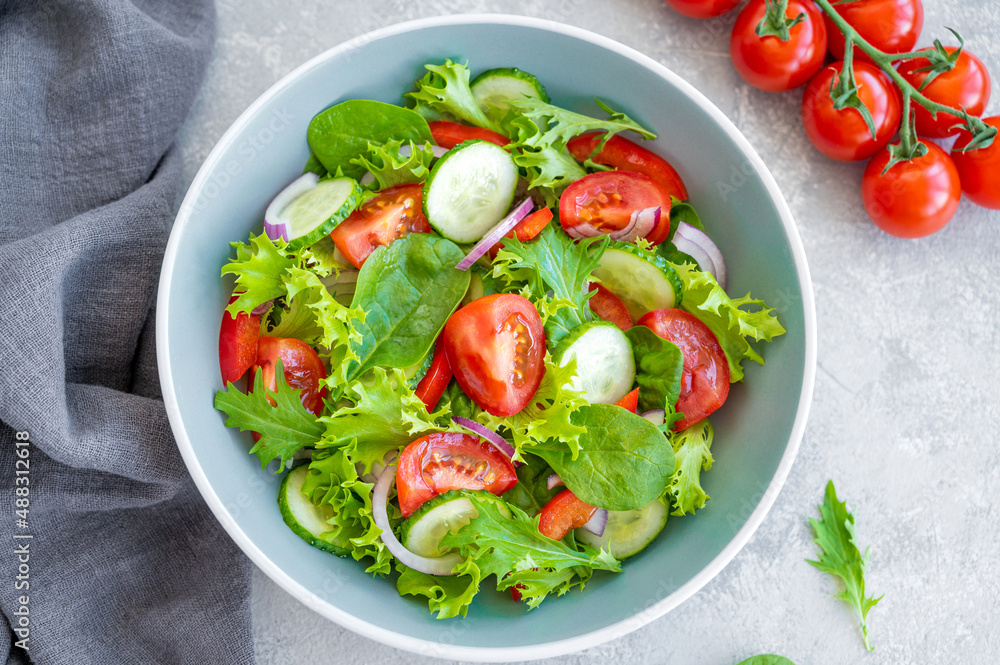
point(766, 659)
point(659, 365)
point(531, 492)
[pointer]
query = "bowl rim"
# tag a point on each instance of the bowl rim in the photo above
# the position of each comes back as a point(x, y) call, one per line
point(417, 645)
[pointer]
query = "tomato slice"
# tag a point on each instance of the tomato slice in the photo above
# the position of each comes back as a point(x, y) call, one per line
point(630, 402)
point(395, 212)
point(563, 513)
point(496, 346)
point(624, 155)
point(526, 229)
point(437, 378)
point(609, 307)
point(449, 134)
point(445, 461)
point(301, 364)
point(606, 201)
point(705, 378)
point(237, 344)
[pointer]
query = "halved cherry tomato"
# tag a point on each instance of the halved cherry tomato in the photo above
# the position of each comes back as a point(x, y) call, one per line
point(449, 134)
point(445, 461)
point(967, 85)
point(915, 198)
point(609, 307)
point(563, 513)
point(768, 62)
point(702, 8)
point(302, 367)
point(892, 26)
point(607, 199)
point(237, 344)
point(437, 378)
point(705, 377)
point(389, 216)
point(980, 169)
point(630, 402)
point(624, 155)
point(843, 134)
point(526, 229)
point(496, 347)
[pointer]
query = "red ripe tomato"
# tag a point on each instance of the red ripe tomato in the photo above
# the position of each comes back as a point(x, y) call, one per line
point(966, 85)
point(624, 155)
point(843, 135)
point(979, 170)
point(609, 307)
point(496, 348)
point(449, 134)
point(915, 198)
point(302, 367)
point(395, 212)
point(892, 26)
point(563, 513)
point(607, 199)
point(445, 461)
point(436, 380)
point(630, 402)
point(237, 344)
point(702, 8)
point(705, 378)
point(768, 62)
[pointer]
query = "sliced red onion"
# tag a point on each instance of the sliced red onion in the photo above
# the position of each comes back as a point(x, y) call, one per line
point(657, 416)
point(443, 565)
point(640, 224)
point(497, 233)
point(488, 434)
point(553, 481)
point(584, 230)
point(263, 308)
point(597, 522)
point(695, 243)
point(275, 225)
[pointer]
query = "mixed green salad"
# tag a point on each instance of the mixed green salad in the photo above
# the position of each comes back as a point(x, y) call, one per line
point(482, 335)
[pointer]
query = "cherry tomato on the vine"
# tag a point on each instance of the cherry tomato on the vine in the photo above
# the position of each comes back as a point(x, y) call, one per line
point(843, 134)
point(915, 198)
point(768, 62)
point(702, 8)
point(979, 169)
point(606, 200)
point(891, 26)
point(966, 85)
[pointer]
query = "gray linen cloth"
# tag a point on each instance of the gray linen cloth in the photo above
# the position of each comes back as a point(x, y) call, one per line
point(125, 563)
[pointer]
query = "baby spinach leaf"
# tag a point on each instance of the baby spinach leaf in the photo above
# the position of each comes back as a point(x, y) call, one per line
point(342, 132)
point(624, 461)
point(659, 364)
point(531, 492)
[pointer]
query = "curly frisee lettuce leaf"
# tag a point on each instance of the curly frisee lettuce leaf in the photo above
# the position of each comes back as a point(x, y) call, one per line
point(692, 455)
point(445, 90)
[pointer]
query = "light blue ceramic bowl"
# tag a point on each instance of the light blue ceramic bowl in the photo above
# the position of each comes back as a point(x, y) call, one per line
point(757, 432)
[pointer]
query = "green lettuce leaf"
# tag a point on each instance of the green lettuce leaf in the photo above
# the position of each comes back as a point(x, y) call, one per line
point(390, 168)
point(557, 125)
point(841, 557)
point(531, 493)
point(258, 266)
point(333, 325)
point(322, 258)
point(447, 596)
point(733, 321)
point(445, 90)
point(284, 428)
point(659, 365)
point(692, 455)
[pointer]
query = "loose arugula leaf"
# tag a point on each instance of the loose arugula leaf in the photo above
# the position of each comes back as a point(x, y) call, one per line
point(284, 428)
point(445, 89)
point(840, 556)
point(258, 266)
point(766, 659)
point(447, 596)
point(407, 291)
point(531, 492)
point(557, 125)
point(391, 168)
point(503, 541)
point(623, 462)
point(659, 365)
point(692, 454)
point(343, 132)
point(728, 318)
point(553, 261)
point(334, 486)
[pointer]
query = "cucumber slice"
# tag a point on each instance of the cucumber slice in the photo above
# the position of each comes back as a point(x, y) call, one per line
point(303, 517)
point(643, 280)
point(628, 532)
point(605, 366)
point(469, 190)
point(415, 373)
point(317, 211)
point(421, 532)
point(476, 289)
point(495, 87)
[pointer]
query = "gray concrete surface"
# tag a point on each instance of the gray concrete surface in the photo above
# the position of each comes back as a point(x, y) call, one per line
point(905, 416)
